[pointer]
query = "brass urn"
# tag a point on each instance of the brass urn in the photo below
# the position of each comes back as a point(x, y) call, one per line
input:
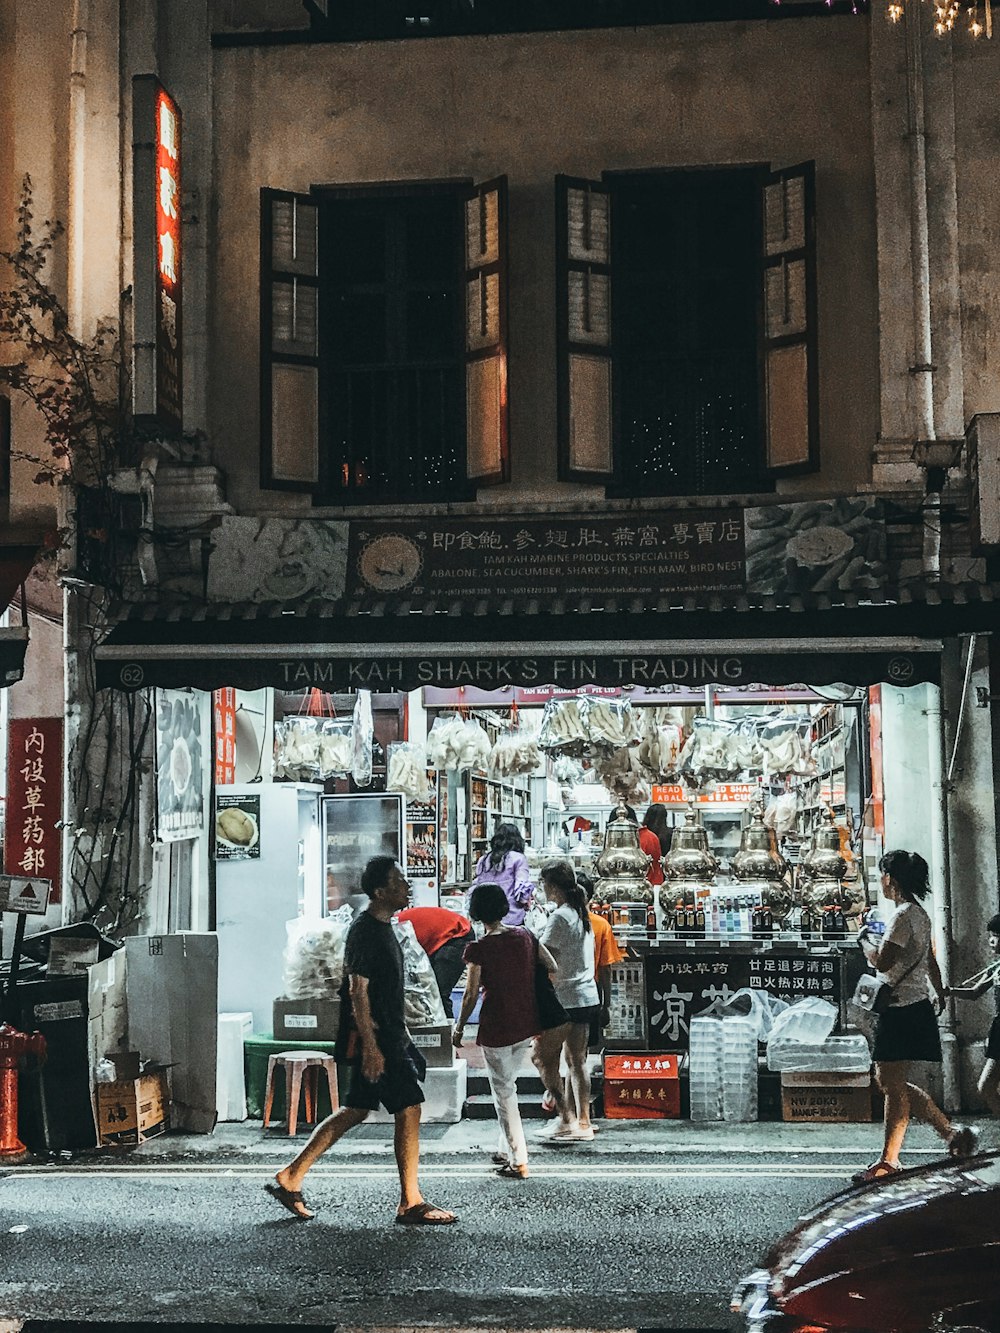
point(622, 865)
point(689, 856)
point(758, 857)
point(823, 866)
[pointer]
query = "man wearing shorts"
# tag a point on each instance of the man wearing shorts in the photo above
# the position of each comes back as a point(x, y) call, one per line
point(374, 1041)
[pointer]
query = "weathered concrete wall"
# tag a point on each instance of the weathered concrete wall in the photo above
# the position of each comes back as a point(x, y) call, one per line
point(532, 106)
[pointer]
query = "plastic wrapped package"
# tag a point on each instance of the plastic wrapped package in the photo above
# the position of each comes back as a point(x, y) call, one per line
point(610, 723)
point(314, 954)
point(760, 1006)
point(780, 814)
point(364, 739)
point(622, 772)
point(809, 1021)
point(422, 1005)
point(739, 1068)
point(848, 1054)
point(786, 747)
point(336, 745)
point(515, 752)
point(563, 726)
point(705, 1067)
point(706, 752)
point(456, 743)
point(661, 743)
point(297, 749)
point(407, 771)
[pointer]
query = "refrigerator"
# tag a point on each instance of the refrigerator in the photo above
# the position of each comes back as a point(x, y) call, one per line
point(264, 876)
point(355, 828)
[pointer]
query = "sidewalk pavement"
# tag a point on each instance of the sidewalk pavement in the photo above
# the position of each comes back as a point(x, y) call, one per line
point(621, 1139)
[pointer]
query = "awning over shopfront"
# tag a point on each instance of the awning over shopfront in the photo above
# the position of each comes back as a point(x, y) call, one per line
point(404, 644)
point(13, 646)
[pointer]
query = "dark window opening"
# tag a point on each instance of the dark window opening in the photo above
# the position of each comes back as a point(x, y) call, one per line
point(685, 254)
point(393, 417)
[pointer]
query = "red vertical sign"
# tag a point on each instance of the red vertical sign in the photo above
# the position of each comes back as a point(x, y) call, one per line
point(224, 708)
point(169, 393)
point(32, 844)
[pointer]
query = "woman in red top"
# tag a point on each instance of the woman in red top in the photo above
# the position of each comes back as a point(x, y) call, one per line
point(654, 839)
point(502, 963)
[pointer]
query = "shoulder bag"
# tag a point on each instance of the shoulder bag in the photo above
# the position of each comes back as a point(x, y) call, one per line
point(551, 1014)
point(873, 994)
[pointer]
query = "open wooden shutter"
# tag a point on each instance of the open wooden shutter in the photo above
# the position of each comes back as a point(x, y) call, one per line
point(289, 342)
point(791, 372)
point(583, 330)
point(486, 416)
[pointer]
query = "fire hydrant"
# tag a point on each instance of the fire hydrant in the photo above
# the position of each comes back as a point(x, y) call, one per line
point(13, 1045)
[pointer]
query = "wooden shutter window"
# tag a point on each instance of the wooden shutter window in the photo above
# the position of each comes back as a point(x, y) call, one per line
point(289, 342)
point(791, 380)
point(583, 256)
point(487, 423)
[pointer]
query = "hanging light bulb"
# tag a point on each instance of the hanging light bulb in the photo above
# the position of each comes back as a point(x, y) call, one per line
point(895, 13)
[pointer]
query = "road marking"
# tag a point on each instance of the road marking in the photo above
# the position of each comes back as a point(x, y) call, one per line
point(567, 1171)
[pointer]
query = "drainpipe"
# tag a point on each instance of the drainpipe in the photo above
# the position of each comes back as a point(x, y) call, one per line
point(77, 166)
point(941, 886)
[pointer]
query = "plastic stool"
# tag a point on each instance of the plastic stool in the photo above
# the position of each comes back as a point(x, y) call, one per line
point(297, 1064)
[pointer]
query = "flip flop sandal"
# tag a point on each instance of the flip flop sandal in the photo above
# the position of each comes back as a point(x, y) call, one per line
point(963, 1142)
point(876, 1171)
point(499, 1158)
point(288, 1199)
point(417, 1216)
point(511, 1172)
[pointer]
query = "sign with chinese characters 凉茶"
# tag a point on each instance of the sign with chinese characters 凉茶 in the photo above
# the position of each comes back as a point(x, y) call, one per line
point(158, 244)
point(682, 983)
point(32, 841)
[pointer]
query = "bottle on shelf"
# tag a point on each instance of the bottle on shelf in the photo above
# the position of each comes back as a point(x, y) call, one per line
point(651, 922)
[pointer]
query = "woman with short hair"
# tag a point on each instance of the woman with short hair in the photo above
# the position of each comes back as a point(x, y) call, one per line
point(907, 1030)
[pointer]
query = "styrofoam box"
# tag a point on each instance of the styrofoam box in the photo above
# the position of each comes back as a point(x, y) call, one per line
point(230, 1086)
point(445, 1091)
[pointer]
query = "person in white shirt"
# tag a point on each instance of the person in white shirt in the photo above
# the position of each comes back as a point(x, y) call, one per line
point(908, 1030)
point(569, 938)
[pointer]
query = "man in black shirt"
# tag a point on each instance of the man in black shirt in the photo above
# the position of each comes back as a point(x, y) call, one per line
point(374, 1041)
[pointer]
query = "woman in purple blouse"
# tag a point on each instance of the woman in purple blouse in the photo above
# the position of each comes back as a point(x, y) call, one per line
point(506, 864)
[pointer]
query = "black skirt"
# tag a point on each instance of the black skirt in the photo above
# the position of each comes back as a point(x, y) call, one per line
point(907, 1032)
point(993, 1040)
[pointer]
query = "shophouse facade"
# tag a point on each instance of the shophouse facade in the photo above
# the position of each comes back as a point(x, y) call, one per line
point(444, 293)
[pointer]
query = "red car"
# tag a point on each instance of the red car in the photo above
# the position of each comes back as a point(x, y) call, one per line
point(904, 1254)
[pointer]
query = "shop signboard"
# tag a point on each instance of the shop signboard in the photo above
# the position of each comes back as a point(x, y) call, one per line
point(237, 827)
point(32, 842)
point(224, 710)
point(181, 746)
point(682, 983)
point(722, 793)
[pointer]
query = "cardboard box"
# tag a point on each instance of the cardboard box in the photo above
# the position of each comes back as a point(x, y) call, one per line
point(812, 1078)
point(445, 1091)
point(434, 1044)
point(844, 1102)
point(69, 957)
point(642, 1085)
point(172, 984)
point(313, 1019)
point(133, 1111)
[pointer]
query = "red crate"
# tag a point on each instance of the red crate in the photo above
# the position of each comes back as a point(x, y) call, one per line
point(641, 1085)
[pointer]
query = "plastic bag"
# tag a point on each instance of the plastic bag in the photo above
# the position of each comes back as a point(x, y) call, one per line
point(786, 747)
point(780, 814)
point(364, 737)
point(514, 752)
point(610, 723)
point(809, 1021)
point(758, 1005)
point(296, 749)
point(563, 726)
point(407, 772)
point(706, 752)
point(314, 954)
point(623, 774)
point(661, 743)
point(457, 743)
point(422, 1005)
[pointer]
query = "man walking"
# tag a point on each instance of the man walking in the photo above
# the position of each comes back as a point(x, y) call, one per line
point(373, 1040)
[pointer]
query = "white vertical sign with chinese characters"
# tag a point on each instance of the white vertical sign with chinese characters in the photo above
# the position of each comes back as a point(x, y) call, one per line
point(32, 843)
point(157, 254)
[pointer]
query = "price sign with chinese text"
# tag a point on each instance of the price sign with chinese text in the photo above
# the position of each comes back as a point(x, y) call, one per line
point(32, 843)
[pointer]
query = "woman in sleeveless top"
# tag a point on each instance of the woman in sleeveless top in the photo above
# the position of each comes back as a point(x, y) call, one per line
point(908, 1030)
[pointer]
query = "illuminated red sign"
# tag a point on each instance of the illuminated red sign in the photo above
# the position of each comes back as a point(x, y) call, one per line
point(167, 186)
point(224, 704)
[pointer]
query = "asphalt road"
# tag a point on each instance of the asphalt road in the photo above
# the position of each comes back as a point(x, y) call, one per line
point(599, 1242)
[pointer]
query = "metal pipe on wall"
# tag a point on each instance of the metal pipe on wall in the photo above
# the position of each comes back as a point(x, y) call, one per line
point(941, 887)
point(75, 248)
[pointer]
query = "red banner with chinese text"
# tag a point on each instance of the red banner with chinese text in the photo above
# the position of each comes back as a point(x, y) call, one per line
point(32, 842)
point(224, 711)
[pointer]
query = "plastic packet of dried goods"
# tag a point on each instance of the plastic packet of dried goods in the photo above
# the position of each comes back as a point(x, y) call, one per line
point(705, 751)
point(563, 726)
point(610, 722)
point(622, 772)
point(407, 771)
point(422, 999)
point(314, 954)
point(514, 752)
point(661, 743)
point(297, 748)
point(335, 745)
point(364, 738)
point(455, 743)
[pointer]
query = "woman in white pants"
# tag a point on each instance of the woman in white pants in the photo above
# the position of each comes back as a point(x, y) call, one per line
point(502, 964)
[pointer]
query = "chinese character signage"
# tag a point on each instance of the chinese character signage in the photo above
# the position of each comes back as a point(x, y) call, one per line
point(624, 555)
point(683, 983)
point(181, 746)
point(157, 253)
point(32, 843)
point(224, 709)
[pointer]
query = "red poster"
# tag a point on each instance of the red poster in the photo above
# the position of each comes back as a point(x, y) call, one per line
point(224, 709)
point(33, 845)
